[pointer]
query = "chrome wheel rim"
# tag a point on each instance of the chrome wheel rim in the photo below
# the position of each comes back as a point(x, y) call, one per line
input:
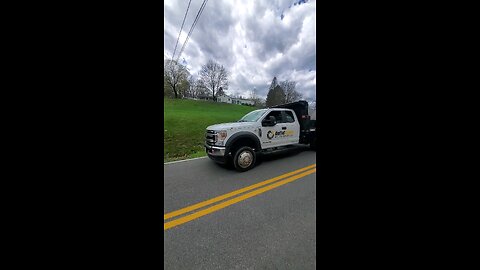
point(245, 159)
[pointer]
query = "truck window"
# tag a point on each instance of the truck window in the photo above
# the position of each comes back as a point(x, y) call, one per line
point(289, 117)
point(253, 116)
point(277, 114)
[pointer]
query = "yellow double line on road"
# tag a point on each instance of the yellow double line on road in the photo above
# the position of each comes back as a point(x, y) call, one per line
point(287, 178)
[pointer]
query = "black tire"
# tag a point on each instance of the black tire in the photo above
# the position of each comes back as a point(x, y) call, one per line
point(244, 159)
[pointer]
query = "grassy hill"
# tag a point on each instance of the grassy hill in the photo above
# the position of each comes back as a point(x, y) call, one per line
point(185, 122)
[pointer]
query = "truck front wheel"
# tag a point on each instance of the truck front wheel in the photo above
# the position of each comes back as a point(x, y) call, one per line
point(244, 159)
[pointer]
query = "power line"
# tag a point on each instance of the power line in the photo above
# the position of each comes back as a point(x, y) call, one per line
point(199, 13)
point(186, 12)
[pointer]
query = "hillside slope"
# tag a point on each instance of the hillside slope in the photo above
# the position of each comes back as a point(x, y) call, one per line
point(185, 122)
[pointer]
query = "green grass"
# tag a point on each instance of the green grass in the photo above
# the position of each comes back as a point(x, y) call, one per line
point(185, 122)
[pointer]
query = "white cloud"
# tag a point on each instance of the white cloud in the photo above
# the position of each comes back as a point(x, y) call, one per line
point(255, 41)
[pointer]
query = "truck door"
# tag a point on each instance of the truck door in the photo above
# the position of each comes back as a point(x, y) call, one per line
point(271, 136)
point(291, 127)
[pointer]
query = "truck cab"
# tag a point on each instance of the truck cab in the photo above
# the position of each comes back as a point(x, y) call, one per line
point(258, 131)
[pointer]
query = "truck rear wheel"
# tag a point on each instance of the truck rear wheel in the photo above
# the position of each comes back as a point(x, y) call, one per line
point(244, 159)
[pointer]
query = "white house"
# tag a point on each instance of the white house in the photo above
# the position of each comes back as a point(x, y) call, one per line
point(224, 99)
point(243, 101)
point(227, 99)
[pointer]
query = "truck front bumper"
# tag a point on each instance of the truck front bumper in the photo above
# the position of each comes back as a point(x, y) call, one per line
point(216, 153)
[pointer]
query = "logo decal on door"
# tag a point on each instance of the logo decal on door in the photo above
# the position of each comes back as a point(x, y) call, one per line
point(270, 134)
point(279, 134)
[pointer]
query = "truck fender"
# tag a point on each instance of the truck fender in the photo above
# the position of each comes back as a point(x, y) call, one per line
point(240, 135)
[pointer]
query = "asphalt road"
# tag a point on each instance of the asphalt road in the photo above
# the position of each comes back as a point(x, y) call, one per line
point(272, 230)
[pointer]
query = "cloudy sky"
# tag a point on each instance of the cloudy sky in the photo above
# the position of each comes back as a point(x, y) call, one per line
point(254, 39)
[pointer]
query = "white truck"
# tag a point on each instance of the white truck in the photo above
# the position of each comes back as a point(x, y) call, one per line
point(261, 131)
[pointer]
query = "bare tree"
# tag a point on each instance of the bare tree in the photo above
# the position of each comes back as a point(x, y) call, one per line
point(290, 94)
point(214, 76)
point(258, 101)
point(182, 88)
point(251, 94)
point(200, 89)
point(175, 74)
point(190, 92)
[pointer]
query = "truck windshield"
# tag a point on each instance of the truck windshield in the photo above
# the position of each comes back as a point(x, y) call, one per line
point(253, 116)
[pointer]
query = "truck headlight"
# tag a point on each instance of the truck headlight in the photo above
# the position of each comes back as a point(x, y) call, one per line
point(221, 135)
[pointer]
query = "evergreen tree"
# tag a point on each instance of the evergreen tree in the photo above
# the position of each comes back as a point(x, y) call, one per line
point(273, 84)
point(275, 96)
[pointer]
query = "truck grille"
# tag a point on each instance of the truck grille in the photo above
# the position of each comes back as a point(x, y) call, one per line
point(210, 137)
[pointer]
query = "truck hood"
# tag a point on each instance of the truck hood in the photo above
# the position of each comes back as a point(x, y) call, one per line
point(234, 125)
